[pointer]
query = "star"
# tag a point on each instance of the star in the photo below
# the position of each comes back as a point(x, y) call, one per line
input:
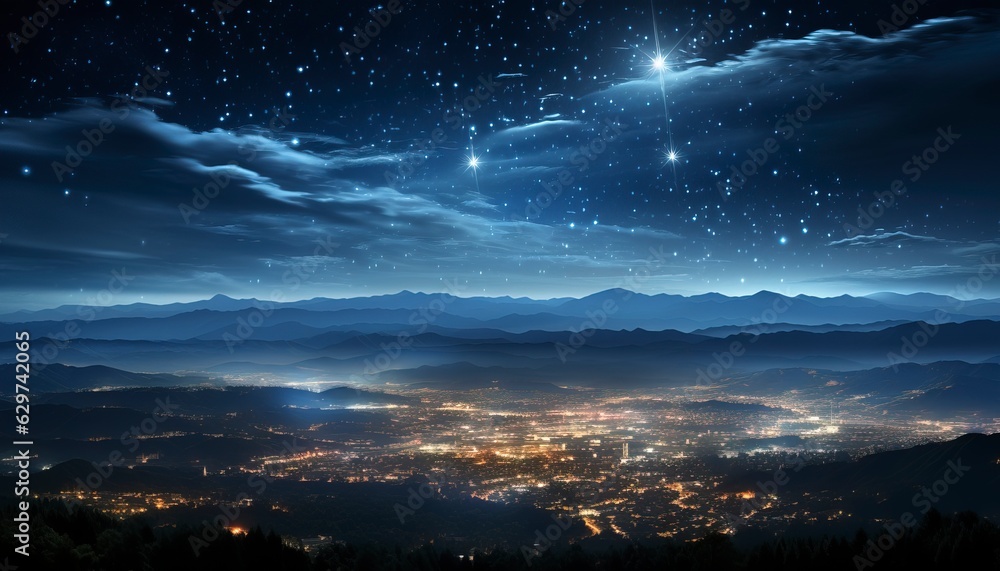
point(472, 162)
point(669, 156)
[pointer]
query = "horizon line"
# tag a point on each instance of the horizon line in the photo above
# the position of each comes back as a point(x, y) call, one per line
point(534, 299)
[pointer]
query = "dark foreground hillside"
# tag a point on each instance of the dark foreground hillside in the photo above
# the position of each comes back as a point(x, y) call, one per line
point(84, 539)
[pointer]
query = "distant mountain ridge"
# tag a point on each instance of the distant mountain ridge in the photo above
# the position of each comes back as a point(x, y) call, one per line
point(612, 309)
point(590, 358)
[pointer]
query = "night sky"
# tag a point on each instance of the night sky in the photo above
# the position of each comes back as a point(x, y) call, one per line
point(433, 154)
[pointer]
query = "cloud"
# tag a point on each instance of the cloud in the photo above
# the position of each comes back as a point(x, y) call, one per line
point(886, 240)
point(552, 128)
point(914, 272)
point(906, 279)
point(185, 211)
point(978, 250)
point(882, 98)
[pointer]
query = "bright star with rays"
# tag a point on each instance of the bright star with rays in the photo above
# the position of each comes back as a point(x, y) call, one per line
point(658, 63)
point(669, 156)
point(471, 162)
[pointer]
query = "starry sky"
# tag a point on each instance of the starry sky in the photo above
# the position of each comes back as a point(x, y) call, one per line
point(255, 147)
